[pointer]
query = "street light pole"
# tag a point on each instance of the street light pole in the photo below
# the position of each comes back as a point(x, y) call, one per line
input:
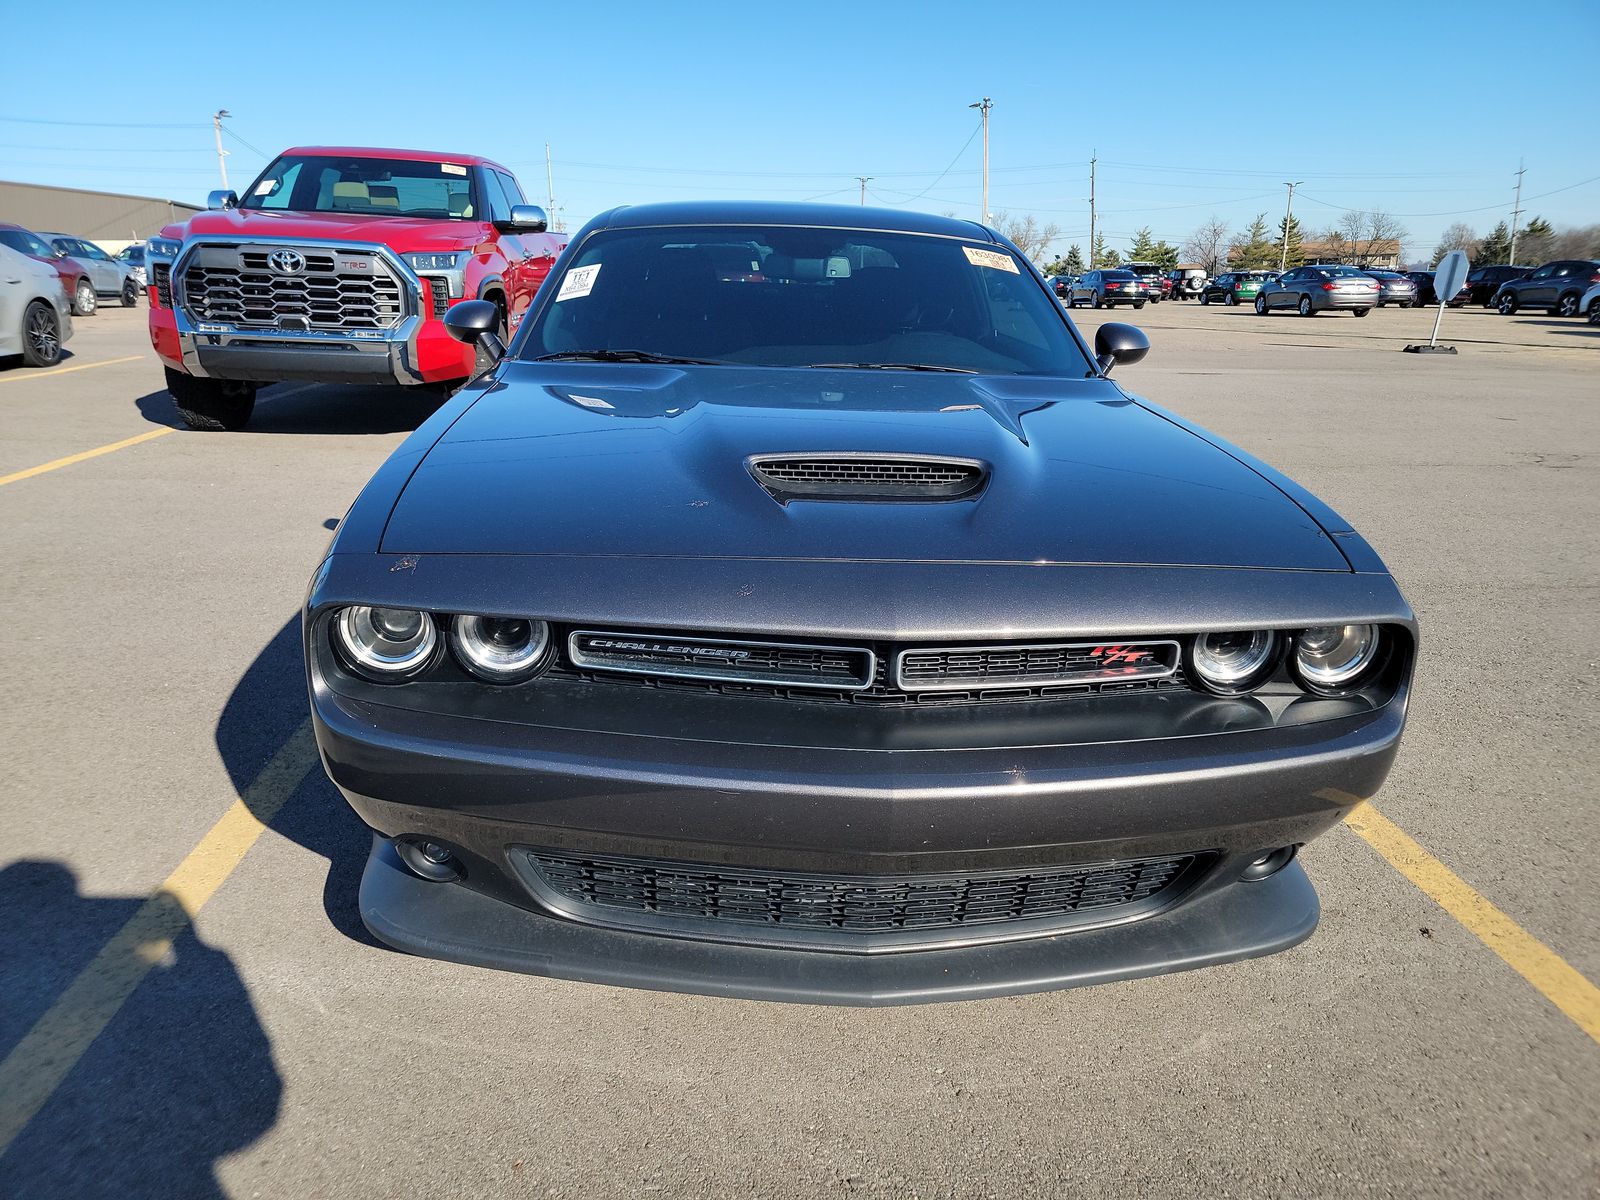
point(865, 179)
point(1288, 215)
point(222, 155)
point(983, 106)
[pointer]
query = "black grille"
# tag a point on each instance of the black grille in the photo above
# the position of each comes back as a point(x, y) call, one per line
point(162, 278)
point(439, 289)
point(959, 668)
point(711, 660)
point(247, 293)
point(863, 477)
point(596, 888)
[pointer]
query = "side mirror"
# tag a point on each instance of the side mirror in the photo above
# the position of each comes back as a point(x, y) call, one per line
point(1116, 343)
point(220, 200)
point(476, 323)
point(525, 218)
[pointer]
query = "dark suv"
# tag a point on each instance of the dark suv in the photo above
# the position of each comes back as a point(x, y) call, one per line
point(1152, 275)
point(1557, 287)
point(1484, 282)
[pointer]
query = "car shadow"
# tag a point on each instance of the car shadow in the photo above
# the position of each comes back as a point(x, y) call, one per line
point(182, 1074)
point(15, 362)
point(266, 708)
point(298, 408)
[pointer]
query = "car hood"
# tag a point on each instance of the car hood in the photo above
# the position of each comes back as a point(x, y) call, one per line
point(400, 233)
point(644, 461)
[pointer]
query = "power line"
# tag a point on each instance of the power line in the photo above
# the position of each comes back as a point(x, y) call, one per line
point(1459, 211)
point(245, 144)
point(109, 124)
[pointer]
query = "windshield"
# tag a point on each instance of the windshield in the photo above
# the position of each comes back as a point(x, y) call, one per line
point(803, 296)
point(377, 187)
point(28, 243)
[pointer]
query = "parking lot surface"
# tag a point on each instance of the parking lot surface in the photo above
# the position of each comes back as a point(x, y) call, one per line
point(156, 764)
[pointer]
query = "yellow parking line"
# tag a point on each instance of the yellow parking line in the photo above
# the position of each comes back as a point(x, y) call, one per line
point(1556, 979)
point(57, 464)
point(21, 377)
point(33, 1070)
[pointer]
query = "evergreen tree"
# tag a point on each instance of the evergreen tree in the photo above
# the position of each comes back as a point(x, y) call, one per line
point(1143, 248)
point(1103, 257)
point(1073, 263)
point(1165, 255)
point(1533, 243)
point(1251, 250)
point(1494, 249)
point(1297, 255)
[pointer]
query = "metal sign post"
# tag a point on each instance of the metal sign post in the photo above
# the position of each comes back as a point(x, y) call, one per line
point(1448, 277)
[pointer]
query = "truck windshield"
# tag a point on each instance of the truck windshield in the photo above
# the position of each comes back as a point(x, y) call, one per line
point(797, 296)
point(374, 187)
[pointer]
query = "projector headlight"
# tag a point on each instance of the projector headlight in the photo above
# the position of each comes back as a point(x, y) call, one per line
point(500, 649)
point(384, 643)
point(1233, 663)
point(1333, 658)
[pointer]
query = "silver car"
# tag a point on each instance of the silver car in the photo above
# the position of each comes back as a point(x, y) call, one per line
point(112, 279)
point(1318, 288)
point(35, 313)
point(132, 257)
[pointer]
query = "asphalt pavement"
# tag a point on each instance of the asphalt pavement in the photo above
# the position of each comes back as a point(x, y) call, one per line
point(154, 765)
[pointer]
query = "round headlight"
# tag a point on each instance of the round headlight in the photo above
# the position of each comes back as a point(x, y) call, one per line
point(385, 642)
point(501, 649)
point(1230, 663)
point(1332, 657)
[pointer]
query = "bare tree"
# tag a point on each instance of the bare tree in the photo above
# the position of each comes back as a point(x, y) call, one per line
point(1457, 237)
point(1207, 244)
point(1364, 231)
point(1582, 241)
point(1030, 237)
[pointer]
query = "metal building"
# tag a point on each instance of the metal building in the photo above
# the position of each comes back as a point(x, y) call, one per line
point(109, 219)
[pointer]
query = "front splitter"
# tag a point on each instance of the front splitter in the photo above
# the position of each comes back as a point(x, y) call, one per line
point(450, 922)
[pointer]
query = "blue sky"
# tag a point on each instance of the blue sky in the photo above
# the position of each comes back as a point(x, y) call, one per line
point(794, 101)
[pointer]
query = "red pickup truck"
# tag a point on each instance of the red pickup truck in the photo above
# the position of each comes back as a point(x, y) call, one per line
point(336, 267)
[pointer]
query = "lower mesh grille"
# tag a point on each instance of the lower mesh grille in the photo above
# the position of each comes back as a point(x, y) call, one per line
point(439, 289)
point(161, 276)
point(597, 887)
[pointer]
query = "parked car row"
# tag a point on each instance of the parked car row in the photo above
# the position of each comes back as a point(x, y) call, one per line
point(87, 272)
point(35, 307)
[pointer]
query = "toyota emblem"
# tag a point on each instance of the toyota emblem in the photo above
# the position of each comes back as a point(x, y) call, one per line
point(287, 262)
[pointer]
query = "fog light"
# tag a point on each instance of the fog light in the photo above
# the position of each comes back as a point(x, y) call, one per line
point(1269, 863)
point(429, 860)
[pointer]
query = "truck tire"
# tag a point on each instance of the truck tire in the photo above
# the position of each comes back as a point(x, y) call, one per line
point(210, 405)
point(41, 335)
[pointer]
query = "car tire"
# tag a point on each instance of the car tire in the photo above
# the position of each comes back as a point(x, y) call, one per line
point(1567, 306)
point(84, 300)
point(211, 405)
point(130, 293)
point(1094, 299)
point(1305, 307)
point(1360, 312)
point(1261, 307)
point(1594, 311)
point(41, 335)
point(1204, 300)
point(1506, 304)
point(1138, 304)
point(1232, 301)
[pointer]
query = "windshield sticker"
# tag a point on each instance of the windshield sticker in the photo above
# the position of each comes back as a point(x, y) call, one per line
point(992, 259)
point(578, 282)
point(264, 188)
point(452, 169)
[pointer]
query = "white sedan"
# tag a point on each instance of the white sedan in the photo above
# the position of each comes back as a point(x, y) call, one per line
point(35, 312)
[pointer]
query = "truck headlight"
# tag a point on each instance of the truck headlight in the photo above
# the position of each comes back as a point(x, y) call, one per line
point(162, 247)
point(438, 261)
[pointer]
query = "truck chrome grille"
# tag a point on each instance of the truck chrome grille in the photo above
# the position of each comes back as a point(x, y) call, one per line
point(763, 905)
point(334, 291)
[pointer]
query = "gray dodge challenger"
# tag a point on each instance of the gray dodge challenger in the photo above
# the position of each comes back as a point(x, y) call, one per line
point(797, 610)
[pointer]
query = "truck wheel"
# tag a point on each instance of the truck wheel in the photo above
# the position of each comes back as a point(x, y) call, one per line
point(41, 335)
point(84, 300)
point(130, 293)
point(211, 404)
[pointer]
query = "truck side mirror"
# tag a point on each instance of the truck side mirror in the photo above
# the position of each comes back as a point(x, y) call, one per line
point(222, 199)
point(1116, 343)
point(476, 323)
point(525, 218)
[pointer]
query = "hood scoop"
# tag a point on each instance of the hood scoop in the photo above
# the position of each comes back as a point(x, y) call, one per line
point(867, 477)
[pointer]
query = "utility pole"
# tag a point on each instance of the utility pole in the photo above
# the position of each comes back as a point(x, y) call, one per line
point(1288, 212)
point(1092, 160)
point(865, 179)
point(983, 106)
point(550, 190)
point(222, 155)
point(1516, 213)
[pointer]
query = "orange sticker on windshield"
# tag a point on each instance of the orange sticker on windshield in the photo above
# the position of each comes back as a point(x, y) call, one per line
point(992, 259)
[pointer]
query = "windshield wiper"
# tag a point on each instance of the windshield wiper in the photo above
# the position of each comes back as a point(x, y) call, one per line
point(877, 366)
point(635, 356)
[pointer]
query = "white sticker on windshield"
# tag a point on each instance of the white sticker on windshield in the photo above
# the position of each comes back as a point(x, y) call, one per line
point(578, 282)
point(264, 188)
point(991, 258)
point(452, 169)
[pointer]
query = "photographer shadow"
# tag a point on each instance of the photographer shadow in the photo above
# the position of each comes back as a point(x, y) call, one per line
point(180, 1076)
